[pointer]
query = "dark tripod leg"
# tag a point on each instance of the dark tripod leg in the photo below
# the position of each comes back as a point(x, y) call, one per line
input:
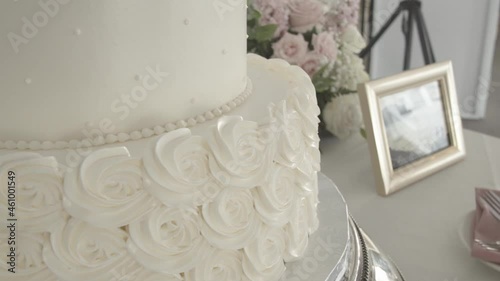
point(423, 40)
point(426, 39)
point(381, 32)
point(408, 32)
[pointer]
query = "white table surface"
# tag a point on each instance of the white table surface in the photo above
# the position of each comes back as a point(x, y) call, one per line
point(418, 227)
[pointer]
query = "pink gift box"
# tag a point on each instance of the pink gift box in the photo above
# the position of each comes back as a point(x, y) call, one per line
point(486, 228)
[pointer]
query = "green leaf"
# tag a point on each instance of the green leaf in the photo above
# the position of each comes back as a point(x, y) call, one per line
point(308, 37)
point(252, 13)
point(265, 33)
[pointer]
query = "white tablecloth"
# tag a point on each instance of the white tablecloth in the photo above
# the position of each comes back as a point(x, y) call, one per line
point(418, 226)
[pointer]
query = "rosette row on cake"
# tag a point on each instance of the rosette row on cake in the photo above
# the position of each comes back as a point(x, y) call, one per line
point(247, 193)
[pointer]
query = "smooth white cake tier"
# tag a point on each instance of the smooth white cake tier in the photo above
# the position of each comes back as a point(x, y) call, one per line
point(69, 68)
point(231, 199)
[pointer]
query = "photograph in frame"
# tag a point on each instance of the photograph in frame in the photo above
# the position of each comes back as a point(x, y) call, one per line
point(415, 123)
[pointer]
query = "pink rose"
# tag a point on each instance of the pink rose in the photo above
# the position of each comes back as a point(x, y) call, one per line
point(274, 12)
point(342, 16)
point(305, 14)
point(324, 44)
point(291, 48)
point(312, 62)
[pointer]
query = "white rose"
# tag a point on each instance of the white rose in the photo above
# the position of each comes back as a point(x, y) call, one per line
point(38, 186)
point(242, 151)
point(342, 115)
point(352, 40)
point(263, 259)
point(275, 200)
point(305, 14)
point(230, 221)
point(178, 164)
point(168, 240)
point(80, 251)
point(220, 266)
point(29, 261)
point(291, 48)
point(360, 72)
point(107, 190)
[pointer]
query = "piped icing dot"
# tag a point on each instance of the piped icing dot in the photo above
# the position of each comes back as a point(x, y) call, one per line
point(159, 130)
point(191, 122)
point(170, 127)
point(47, 145)
point(77, 31)
point(181, 124)
point(224, 51)
point(186, 22)
point(147, 132)
point(111, 138)
point(28, 81)
point(10, 144)
point(135, 135)
point(138, 77)
point(22, 145)
point(35, 145)
point(200, 119)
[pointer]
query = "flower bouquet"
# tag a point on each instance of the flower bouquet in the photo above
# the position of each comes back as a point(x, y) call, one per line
point(322, 38)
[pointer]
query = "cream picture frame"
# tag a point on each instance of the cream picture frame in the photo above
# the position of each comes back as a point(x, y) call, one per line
point(404, 148)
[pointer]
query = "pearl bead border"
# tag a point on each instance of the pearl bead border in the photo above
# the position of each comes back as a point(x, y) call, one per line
point(135, 135)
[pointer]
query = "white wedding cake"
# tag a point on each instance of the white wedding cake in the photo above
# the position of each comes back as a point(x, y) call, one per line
point(139, 141)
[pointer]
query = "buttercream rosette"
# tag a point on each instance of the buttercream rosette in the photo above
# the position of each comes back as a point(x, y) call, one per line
point(223, 265)
point(168, 240)
point(30, 265)
point(305, 104)
point(275, 199)
point(136, 272)
point(147, 275)
point(178, 164)
point(38, 191)
point(297, 232)
point(107, 190)
point(81, 251)
point(230, 222)
point(242, 150)
point(304, 110)
point(311, 205)
point(263, 258)
point(287, 126)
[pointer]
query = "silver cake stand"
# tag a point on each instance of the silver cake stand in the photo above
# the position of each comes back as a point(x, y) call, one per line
point(340, 250)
